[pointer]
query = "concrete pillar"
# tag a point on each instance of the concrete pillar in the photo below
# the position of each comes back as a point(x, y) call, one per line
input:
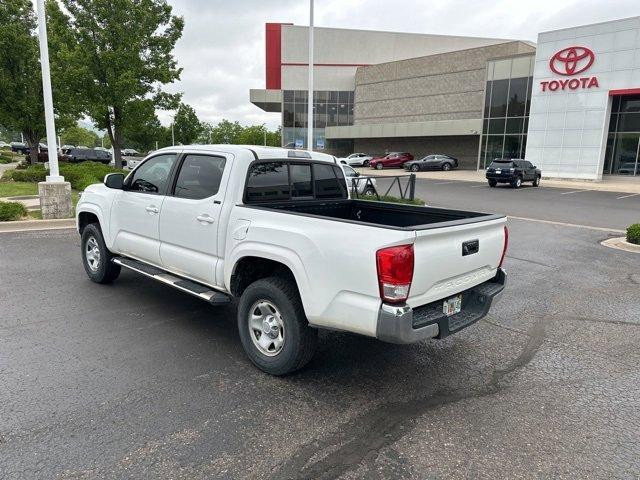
point(55, 199)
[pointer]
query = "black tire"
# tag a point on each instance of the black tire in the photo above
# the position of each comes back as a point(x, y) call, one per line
point(415, 168)
point(365, 163)
point(446, 166)
point(104, 271)
point(492, 183)
point(299, 339)
point(536, 181)
point(379, 166)
point(517, 183)
point(369, 192)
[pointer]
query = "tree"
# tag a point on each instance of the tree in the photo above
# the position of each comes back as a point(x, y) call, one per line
point(111, 54)
point(259, 135)
point(226, 132)
point(186, 126)
point(77, 135)
point(21, 100)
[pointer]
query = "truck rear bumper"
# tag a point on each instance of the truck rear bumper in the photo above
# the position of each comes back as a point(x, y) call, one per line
point(403, 324)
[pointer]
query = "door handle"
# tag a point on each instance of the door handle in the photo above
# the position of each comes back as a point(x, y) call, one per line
point(151, 209)
point(205, 219)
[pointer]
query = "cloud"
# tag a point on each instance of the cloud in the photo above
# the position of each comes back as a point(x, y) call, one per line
point(222, 49)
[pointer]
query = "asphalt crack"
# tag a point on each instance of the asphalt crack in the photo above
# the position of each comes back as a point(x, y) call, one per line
point(361, 439)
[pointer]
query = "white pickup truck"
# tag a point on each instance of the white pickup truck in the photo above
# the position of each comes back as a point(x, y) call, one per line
point(276, 229)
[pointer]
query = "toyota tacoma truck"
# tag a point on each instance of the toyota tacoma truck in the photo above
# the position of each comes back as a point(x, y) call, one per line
point(277, 230)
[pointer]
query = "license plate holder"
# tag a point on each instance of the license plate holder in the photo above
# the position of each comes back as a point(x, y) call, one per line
point(452, 305)
point(498, 170)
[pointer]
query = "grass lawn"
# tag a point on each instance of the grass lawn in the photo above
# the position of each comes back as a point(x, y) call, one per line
point(14, 189)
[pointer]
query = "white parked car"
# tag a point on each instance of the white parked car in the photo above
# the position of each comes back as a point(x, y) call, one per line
point(356, 160)
point(269, 226)
point(4, 145)
point(355, 182)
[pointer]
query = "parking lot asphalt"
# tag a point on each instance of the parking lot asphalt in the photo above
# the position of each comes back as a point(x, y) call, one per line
point(136, 380)
point(584, 207)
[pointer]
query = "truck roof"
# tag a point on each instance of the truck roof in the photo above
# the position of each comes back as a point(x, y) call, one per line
point(261, 151)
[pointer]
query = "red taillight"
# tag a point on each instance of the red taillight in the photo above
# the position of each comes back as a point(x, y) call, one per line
point(504, 248)
point(395, 272)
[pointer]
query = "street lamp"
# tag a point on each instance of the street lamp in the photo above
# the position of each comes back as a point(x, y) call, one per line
point(55, 193)
point(310, 95)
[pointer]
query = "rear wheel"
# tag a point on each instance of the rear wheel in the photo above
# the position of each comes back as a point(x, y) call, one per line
point(415, 168)
point(369, 192)
point(379, 166)
point(365, 163)
point(446, 167)
point(492, 183)
point(96, 258)
point(536, 182)
point(273, 328)
point(517, 183)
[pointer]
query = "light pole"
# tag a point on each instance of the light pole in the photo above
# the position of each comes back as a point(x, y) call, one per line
point(55, 193)
point(173, 138)
point(310, 94)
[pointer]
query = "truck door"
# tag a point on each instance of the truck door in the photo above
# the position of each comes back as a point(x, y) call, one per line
point(190, 216)
point(136, 210)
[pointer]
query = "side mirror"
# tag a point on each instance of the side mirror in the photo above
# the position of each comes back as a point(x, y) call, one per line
point(114, 180)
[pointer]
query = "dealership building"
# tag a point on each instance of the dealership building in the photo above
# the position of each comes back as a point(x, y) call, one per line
point(570, 104)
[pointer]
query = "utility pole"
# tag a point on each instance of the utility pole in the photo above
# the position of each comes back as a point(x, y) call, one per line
point(173, 138)
point(55, 193)
point(310, 95)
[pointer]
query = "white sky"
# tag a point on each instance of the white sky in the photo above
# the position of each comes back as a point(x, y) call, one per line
point(222, 49)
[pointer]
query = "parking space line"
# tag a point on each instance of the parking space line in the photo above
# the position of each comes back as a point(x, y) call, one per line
point(563, 224)
point(443, 183)
point(627, 196)
point(477, 186)
point(576, 191)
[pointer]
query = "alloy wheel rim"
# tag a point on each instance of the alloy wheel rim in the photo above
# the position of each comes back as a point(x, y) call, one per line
point(266, 328)
point(92, 254)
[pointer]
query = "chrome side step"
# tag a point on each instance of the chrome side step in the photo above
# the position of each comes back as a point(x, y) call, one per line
point(196, 289)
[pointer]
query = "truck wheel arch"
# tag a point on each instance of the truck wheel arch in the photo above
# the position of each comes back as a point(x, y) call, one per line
point(249, 269)
point(85, 218)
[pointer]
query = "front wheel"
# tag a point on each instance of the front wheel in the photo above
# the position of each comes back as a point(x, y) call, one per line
point(379, 166)
point(446, 167)
point(492, 183)
point(365, 163)
point(273, 328)
point(96, 258)
point(536, 182)
point(369, 192)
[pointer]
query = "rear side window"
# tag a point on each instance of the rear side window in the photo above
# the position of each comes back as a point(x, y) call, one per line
point(199, 176)
point(268, 181)
point(280, 181)
point(328, 182)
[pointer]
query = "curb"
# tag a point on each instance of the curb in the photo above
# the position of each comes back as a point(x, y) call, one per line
point(620, 243)
point(34, 225)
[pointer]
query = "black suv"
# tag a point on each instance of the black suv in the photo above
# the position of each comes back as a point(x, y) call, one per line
point(77, 155)
point(513, 171)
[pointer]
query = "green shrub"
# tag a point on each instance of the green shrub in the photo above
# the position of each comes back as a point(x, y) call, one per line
point(389, 198)
point(11, 211)
point(80, 175)
point(633, 234)
point(4, 159)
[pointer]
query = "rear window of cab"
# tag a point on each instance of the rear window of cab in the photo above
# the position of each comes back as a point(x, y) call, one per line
point(293, 180)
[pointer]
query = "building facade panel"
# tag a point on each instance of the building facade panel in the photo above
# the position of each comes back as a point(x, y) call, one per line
point(575, 72)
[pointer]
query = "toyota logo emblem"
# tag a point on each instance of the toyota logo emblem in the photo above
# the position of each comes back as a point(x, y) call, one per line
point(571, 60)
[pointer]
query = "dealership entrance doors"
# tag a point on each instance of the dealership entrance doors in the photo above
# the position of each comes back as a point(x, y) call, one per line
point(623, 143)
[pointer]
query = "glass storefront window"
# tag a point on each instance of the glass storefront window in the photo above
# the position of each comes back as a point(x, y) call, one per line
point(499, 91)
point(517, 97)
point(622, 155)
point(330, 108)
point(496, 126)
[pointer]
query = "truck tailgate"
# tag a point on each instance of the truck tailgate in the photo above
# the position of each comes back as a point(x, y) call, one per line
point(444, 267)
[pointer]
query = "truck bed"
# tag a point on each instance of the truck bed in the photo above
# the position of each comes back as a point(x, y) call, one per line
point(380, 214)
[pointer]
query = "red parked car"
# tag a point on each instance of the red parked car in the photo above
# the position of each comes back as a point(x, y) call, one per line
point(393, 159)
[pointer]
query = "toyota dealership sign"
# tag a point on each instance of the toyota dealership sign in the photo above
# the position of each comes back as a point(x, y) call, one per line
point(570, 62)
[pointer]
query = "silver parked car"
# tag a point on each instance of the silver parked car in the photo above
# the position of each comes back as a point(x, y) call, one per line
point(356, 160)
point(355, 182)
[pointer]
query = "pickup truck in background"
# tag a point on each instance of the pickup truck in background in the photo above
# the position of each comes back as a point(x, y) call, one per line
point(276, 229)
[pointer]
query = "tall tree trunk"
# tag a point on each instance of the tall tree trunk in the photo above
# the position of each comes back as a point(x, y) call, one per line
point(116, 139)
point(33, 141)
